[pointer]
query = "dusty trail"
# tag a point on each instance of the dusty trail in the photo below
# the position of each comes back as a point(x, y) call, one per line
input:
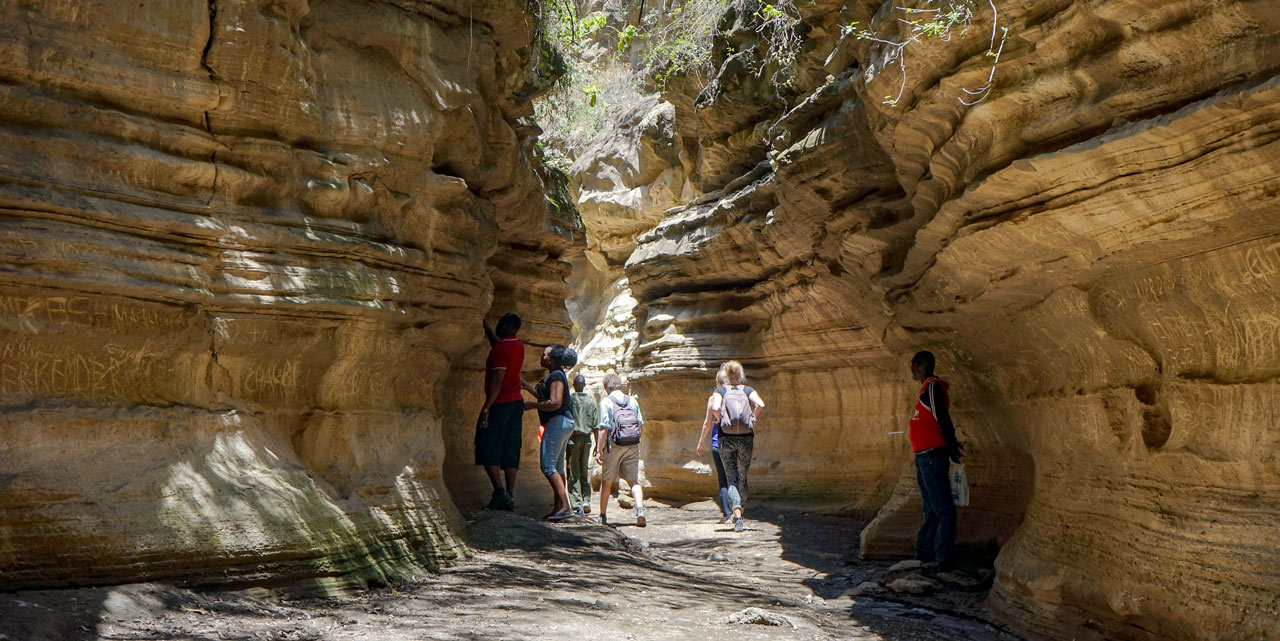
point(680, 578)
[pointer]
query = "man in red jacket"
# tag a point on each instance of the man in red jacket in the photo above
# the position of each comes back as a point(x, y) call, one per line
point(933, 439)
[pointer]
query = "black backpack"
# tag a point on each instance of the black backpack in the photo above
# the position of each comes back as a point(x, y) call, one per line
point(625, 427)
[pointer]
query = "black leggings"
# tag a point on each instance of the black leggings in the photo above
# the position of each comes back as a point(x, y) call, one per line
point(736, 450)
point(724, 483)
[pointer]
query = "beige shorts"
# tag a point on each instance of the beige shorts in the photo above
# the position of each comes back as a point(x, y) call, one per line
point(622, 461)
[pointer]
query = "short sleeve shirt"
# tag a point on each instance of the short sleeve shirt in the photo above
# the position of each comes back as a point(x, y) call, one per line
point(586, 416)
point(606, 409)
point(508, 354)
point(544, 393)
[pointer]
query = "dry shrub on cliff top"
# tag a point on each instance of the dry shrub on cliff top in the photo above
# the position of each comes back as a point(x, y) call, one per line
point(603, 82)
point(897, 28)
point(591, 92)
point(679, 42)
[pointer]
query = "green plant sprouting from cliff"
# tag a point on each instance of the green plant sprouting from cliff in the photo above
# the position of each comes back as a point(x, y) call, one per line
point(679, 42)
point(596, 83)
point(778, 22)
point(587, 94)
point(936, 20)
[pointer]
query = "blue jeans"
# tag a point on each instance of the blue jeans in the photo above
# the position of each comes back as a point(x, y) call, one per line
point(725, 503)
point(554, 440)
point(936, 540)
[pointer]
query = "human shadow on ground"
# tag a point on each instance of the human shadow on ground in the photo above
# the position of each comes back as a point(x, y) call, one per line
point(135, 611)
point(830, 546)
point(37, 615)
point(597, 555)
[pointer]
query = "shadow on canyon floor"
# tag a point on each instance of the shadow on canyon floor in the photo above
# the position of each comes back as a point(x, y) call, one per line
point(683, 577)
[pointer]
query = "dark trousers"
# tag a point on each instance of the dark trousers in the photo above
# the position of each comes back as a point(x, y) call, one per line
point(724, 483)
point(937, 538)
point(735, 451)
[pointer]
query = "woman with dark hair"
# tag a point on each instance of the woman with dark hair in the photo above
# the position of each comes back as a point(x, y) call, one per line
point(709, 425)
point(555, 413)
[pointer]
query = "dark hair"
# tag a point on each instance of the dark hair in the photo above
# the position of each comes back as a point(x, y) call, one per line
point(563, 356)
point(925, 360)
point(579, 377)
point(508, 325)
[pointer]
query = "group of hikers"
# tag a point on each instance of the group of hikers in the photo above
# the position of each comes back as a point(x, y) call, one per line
point(569, 422)
point(577, 428)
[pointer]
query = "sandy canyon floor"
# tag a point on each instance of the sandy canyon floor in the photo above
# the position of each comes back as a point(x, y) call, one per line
point(682, 577)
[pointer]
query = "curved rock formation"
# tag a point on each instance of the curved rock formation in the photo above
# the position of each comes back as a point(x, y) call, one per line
point(246, 249)
point(1091, 251)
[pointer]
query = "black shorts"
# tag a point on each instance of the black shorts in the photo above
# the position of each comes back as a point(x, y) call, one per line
point(499, 444)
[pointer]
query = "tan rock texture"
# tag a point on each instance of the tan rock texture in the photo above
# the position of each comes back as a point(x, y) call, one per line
point(1092, 251)
point(245, 249)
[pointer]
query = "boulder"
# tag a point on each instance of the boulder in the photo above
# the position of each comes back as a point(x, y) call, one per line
point(915, 585)
point(760, 616)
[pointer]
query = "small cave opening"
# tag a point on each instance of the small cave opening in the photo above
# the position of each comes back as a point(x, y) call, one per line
point(1156, 426)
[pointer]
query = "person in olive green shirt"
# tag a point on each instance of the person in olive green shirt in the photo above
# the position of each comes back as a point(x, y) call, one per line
point(586, 415)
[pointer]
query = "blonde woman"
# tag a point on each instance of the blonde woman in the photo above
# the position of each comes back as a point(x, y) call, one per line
point(735, 408)
point(709, 426)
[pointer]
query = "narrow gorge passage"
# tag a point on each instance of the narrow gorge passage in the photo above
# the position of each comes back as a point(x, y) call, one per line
point(247, 248)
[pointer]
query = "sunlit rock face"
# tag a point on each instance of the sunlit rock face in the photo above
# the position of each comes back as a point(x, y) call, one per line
point(1092, 253)
point(623, 183)
point(245, 253)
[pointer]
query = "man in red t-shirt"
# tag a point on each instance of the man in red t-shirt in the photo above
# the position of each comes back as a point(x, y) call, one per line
point(933, 439)
point(498, 432)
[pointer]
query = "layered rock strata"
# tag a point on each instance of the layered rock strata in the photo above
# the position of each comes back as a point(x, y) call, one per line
point(247, 247)
point(1091, 252)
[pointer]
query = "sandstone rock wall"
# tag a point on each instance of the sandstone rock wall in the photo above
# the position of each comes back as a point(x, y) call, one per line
point(1091, 251)
point(246, 248)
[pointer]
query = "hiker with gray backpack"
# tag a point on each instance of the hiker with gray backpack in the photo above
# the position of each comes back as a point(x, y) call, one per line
point(618, 445)
point(735, 408)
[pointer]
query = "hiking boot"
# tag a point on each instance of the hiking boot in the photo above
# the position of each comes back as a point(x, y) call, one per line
point(497, 501)
point(738, 524)
point(508, 502)
point(934, 568)
point(640, 517)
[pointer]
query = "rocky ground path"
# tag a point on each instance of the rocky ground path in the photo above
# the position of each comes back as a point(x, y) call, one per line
point(788, 576)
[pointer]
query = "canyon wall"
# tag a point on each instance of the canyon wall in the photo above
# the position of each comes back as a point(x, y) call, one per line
point(245, 251)
point(1092, 250)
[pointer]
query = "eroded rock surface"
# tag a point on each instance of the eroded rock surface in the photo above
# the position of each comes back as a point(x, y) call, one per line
point(1091, 251)
point(245, 251)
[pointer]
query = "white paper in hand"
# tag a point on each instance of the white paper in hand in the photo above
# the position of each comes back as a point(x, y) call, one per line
point(959, 486)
